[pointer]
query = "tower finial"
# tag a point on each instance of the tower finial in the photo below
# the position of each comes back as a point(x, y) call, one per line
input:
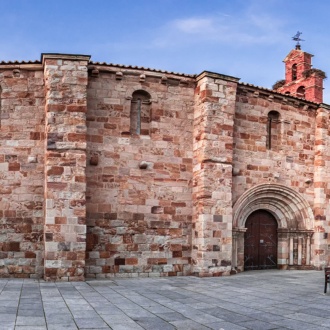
point(297, 38)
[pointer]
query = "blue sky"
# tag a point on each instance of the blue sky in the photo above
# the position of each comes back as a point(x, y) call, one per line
point(247, 39)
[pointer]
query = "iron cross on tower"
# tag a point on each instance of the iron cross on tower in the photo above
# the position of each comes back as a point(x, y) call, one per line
point(297, 38)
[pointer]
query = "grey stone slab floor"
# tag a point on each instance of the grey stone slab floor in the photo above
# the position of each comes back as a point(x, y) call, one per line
point(254, 300)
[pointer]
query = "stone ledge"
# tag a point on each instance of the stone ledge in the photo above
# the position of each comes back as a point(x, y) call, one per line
point(59, 56)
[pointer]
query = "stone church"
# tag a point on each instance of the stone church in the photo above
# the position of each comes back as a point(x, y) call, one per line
point(110, 170)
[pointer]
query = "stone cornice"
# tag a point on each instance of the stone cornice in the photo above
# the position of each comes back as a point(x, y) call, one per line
point(113, 69)
point(216, 76)
point(22, 66)
point(325, 106)
point(59, 56)
point(261, 92)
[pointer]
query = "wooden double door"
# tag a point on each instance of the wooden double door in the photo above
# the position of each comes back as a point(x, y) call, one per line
point(260, 241)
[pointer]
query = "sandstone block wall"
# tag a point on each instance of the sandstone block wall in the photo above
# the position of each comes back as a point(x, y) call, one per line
point(139, 187)
point(290, 160)
point(22, 139)
point(298, 159)
point(65, 166)
point(108, 170)
point(213, 158)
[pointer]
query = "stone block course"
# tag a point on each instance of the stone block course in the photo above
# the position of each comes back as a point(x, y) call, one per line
point(83, 193)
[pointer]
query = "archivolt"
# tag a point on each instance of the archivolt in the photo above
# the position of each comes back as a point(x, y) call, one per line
point(289, 208)
point(131, 90)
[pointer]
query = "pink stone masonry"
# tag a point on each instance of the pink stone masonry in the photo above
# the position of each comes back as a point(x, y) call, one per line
point(118, 171)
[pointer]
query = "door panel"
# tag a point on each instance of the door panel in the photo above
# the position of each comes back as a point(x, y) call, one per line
point(260, 241)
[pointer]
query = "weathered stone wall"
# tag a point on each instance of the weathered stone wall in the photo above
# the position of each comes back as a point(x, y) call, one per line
point(160, 170)
point(213, 157)
point(21, 170)
point(65, 166)
point(296, 160)
point(139, 187)
point(321, 237)
point(290, 160)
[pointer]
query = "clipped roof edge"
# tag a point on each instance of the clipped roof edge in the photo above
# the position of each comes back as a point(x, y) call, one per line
point(142, 68)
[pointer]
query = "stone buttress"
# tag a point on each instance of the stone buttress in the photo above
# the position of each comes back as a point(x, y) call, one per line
point(321, 237)
point(212, 192)
point(65, 163)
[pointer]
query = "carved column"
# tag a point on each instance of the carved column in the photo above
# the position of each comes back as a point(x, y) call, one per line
point(291, 250)
point(299, 251)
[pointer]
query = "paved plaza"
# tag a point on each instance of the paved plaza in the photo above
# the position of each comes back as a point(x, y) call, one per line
point(255, 300)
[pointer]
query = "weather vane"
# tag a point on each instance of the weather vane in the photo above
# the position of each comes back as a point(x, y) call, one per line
point(297, 38)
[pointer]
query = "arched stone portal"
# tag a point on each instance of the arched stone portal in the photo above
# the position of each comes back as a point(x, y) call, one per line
point(294, 217)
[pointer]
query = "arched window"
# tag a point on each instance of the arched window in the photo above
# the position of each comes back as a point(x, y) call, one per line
point(140, 113)
point(273, 130)
point(294, 72)
point(287, 93)
point(301, 92)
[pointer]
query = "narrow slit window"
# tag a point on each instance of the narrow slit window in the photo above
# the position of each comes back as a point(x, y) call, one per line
point(294, 72)
point(273, 130)
point(140, 113)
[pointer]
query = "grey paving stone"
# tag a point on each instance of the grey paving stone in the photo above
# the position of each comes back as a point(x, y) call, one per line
point(7, 318)
point(80, 307)
point(258, 325)
point(30, 304)
point(158, 309)
point(188, 324)
point(308, 318)
point(55, 305)
point(264, 316)
point(6, 325)
point(117, 319)
point(8, 303)
point(131, 326)
point(172, 316)
point(8, 310)
point(62, 327)
point(110, 311)
point(87, 323)
point(154, 323)
point(29, 327)
point(137, 313)
point(275, 299)
point(30, 312)
point(59, 319)
point(30, 320)
point(225, 326)
point(296, 325)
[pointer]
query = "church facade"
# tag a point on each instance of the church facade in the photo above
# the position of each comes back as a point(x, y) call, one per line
point(110, 170)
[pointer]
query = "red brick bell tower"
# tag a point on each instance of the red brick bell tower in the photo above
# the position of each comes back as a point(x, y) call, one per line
point(301, 80)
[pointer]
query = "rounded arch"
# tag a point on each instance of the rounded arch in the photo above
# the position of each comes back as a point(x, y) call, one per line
point(274, 115)
point(138, 88)
point(301, 92)
point(289, 208)
point(140, 93)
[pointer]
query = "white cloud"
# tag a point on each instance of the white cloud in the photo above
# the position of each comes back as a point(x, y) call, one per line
point(244, 28)
point(193, 25)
